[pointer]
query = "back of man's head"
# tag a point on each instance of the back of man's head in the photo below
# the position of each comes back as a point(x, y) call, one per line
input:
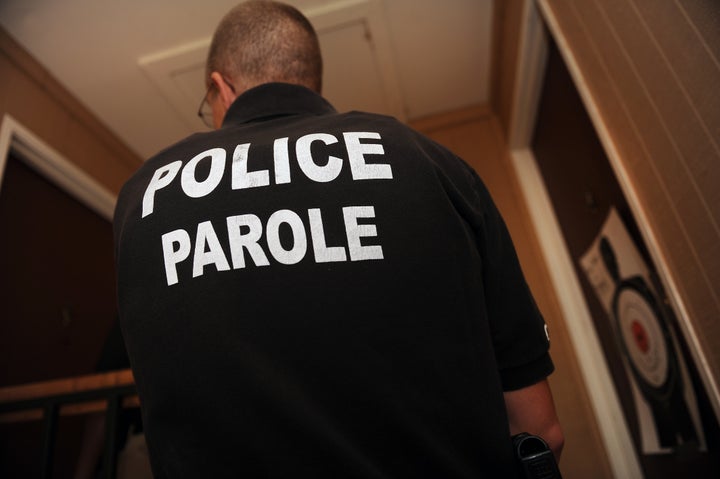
point(265, 41)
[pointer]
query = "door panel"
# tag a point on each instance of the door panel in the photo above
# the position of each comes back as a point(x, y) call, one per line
point(57, 281)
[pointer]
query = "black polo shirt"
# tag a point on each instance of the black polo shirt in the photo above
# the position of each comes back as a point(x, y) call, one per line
point(306, 293)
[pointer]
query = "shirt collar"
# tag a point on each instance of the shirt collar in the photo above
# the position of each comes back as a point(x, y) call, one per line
point(275, 99)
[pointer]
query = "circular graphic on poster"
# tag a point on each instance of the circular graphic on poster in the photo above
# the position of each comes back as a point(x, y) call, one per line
point(642, 337)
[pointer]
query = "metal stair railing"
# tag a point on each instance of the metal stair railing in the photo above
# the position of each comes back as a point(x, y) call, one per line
point(48, 400)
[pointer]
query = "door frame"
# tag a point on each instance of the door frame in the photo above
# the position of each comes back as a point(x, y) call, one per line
point(532, 57)
point(52, 165)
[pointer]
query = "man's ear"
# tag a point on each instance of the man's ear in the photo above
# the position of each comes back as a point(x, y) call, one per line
point(225, 91)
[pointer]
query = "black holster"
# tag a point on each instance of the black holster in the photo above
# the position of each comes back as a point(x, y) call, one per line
point(534, 458)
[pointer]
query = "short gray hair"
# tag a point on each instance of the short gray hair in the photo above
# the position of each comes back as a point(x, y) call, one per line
point(265, 41)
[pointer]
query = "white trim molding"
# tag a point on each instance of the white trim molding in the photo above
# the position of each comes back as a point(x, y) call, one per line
point(604, 401)
point(53, 166)
point(586, 344)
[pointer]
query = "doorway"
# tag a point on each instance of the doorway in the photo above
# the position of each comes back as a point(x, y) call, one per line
point(57, 287)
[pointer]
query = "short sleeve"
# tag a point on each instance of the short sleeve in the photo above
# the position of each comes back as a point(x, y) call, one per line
point(518, 330)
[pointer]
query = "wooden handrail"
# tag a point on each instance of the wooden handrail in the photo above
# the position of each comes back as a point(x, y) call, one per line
point(56, 387)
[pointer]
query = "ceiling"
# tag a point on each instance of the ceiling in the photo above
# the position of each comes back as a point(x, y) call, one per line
point(138, 65)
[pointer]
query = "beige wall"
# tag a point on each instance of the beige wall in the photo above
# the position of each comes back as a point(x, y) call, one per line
point(476, 136)
point(41, 104)
point(649, 72)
